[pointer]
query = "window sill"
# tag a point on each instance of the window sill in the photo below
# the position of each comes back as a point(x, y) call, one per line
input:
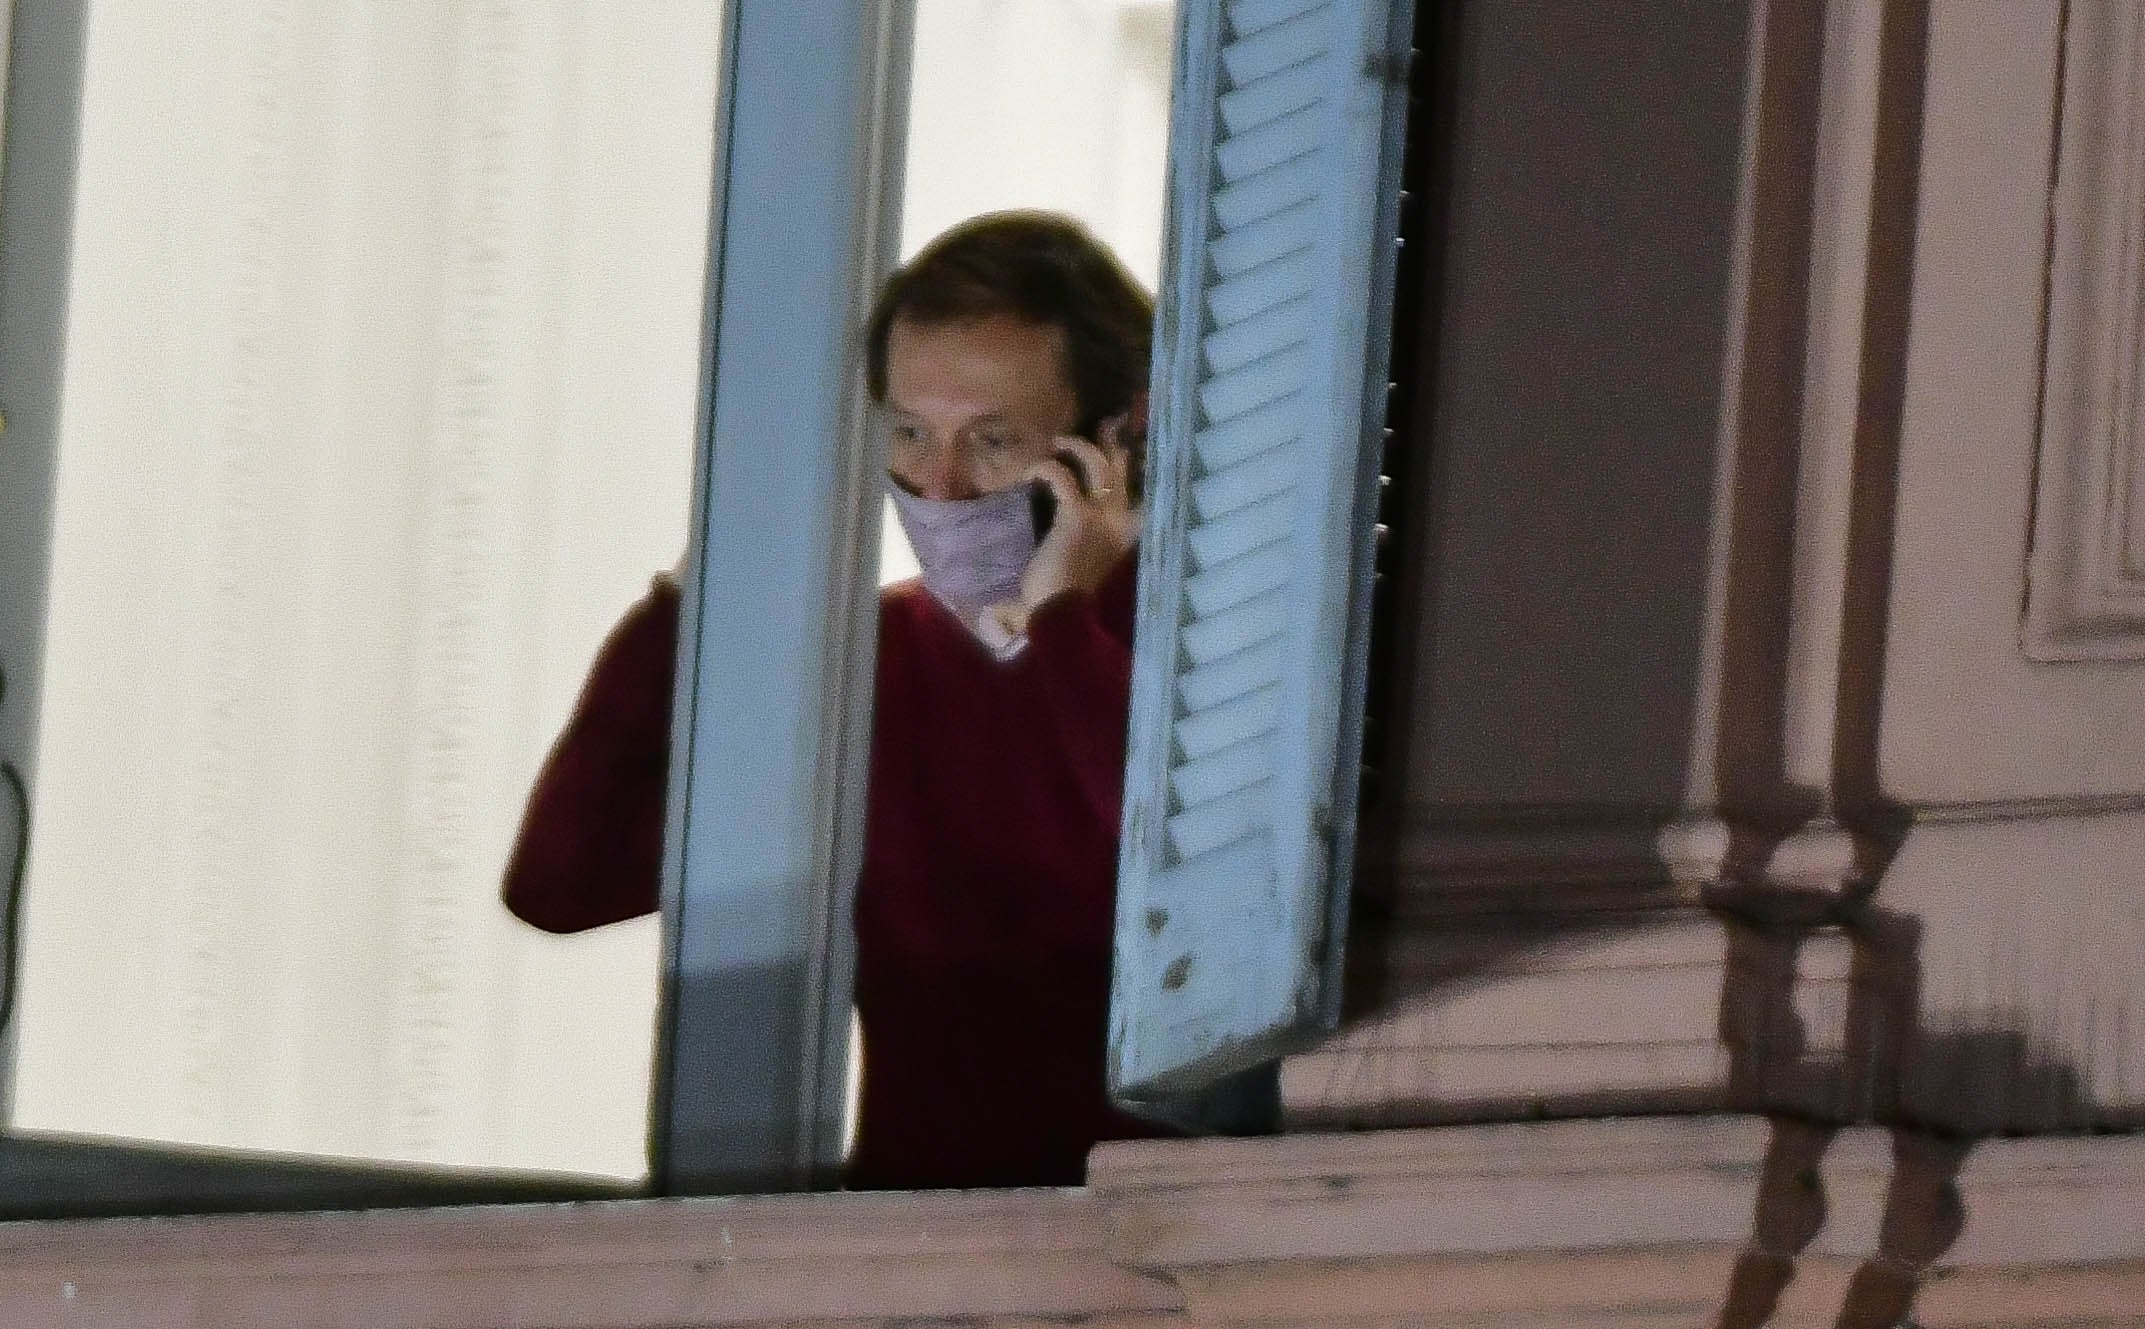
point(1581, 1222)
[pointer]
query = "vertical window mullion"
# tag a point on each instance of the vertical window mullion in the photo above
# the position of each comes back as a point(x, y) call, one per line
point(779, 623)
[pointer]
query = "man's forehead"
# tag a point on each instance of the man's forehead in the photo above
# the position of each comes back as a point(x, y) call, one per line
point(996, 356)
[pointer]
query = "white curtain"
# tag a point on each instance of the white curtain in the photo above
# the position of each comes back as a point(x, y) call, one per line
point(1041, 104)
point(381, 386)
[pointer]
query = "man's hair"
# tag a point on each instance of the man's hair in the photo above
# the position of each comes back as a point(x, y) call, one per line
point(1042, 268)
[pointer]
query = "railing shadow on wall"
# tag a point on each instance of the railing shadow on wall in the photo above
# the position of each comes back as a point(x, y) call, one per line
point(1809, 1098)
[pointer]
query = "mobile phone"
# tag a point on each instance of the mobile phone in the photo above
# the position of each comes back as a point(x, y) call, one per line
point(1043, 507)
point(1042, 504)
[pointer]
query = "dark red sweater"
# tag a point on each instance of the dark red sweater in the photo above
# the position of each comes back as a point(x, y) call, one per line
point(984, 911)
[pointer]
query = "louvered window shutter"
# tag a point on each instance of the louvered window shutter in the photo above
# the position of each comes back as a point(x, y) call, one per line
point(1254, 578)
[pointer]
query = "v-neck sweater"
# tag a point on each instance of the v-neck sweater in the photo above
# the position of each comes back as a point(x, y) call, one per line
point(985, 904)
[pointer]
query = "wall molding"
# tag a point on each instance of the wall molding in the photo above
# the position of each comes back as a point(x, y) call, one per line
point(2085, 596)
point(1475, 860)
point(1534, 1013)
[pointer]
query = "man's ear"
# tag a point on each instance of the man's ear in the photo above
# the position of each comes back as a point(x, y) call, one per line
point(1136, 417)
point(1134, 438)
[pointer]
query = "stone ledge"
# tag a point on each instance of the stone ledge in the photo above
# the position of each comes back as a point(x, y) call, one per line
point(1636, 1222)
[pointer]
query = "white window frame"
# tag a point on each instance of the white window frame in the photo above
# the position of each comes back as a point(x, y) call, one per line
point(779, 618)
point(769, 932)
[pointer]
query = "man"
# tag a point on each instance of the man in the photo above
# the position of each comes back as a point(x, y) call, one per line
point(1010, 359)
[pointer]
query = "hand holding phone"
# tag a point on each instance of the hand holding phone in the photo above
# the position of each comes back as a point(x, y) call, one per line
point(1086, 519)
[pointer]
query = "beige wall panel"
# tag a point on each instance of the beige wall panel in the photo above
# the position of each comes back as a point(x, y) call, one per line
point(2014, 740)
point(1726, 578)
point(1968, 717)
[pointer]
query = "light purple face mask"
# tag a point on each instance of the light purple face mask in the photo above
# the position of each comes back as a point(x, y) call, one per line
point(972, 551)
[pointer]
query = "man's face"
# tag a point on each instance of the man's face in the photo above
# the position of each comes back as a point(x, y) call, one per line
point(972, 405)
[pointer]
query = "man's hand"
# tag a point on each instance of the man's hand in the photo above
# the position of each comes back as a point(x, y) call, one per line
point(1095, 526)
